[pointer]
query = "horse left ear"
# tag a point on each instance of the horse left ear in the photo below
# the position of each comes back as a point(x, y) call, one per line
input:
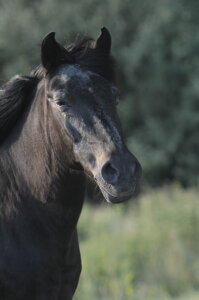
point(52, 53)
point(103, 42)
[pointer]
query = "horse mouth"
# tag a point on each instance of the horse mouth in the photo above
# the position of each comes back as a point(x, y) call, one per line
point(122, 197)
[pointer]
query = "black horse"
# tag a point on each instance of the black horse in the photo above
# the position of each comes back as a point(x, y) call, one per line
point(57, 126)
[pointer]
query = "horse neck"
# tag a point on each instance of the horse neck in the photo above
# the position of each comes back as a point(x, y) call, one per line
point(36, 155)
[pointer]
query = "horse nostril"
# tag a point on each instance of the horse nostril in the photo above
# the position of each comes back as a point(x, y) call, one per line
point(109, 173)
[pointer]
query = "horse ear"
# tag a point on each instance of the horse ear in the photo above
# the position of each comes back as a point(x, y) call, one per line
point(52, 53)
point(103, 42)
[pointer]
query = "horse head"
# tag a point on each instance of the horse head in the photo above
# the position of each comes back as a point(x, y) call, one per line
point(83, 99)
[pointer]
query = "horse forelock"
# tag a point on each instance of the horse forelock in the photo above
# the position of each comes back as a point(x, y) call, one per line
point(85, 55)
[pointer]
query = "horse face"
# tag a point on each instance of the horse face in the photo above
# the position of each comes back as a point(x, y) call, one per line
point(86, 105)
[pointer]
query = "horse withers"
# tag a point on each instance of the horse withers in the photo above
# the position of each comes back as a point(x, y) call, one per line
point(57, 126)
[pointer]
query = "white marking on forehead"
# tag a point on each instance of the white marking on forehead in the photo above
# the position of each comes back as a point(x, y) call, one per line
point(66, 72)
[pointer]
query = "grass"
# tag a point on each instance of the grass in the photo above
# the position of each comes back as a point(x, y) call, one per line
point(144, 250)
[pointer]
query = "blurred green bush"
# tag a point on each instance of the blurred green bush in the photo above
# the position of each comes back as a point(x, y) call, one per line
point(156, 44)
point(146, 250)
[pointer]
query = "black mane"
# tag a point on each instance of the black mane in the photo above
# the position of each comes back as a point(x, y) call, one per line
point(13, 100)
point(14, 94)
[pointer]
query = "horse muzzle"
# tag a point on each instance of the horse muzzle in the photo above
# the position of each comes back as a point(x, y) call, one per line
point(118, 177)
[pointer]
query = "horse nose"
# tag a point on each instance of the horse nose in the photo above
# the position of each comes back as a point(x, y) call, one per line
point(115, 170)
point(110, 172)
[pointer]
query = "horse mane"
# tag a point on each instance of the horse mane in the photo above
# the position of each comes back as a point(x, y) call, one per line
point(13, 100)
point(14, 94)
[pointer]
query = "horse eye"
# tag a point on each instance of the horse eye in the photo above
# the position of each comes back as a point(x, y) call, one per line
point(61, 102)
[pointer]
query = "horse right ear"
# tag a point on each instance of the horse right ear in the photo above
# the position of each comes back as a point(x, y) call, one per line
point(52, 53)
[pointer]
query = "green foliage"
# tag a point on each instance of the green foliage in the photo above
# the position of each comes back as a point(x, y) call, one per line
point(146, 250)
point(156, 44)
point(161, 112)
